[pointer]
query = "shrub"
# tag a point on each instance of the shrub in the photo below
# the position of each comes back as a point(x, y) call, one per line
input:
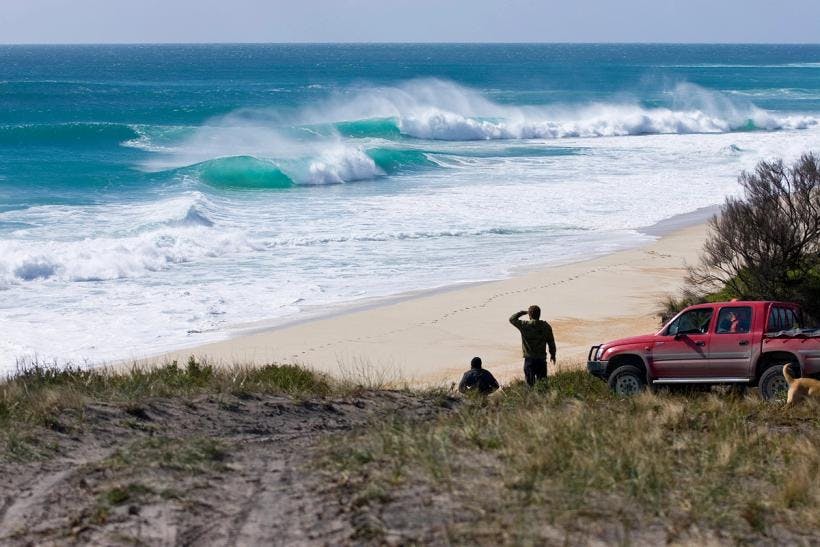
point(765, 245)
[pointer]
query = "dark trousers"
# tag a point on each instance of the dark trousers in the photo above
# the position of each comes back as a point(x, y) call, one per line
point(535, 368)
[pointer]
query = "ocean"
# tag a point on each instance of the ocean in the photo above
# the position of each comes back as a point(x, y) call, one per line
point(160, 196)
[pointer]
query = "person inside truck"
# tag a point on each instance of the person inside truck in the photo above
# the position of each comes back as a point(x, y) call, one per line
point(728, 322)
point(743, 320)
point(733, 321)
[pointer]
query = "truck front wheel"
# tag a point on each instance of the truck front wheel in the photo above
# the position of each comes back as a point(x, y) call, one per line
point(627, 381)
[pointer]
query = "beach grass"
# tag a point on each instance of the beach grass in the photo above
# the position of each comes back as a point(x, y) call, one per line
point(573, 456)
point(37, 393)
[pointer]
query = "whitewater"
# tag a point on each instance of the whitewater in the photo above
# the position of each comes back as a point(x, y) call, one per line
point(190, 192)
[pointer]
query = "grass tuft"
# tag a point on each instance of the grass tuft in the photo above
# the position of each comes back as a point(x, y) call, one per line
point(38, 393)
point(188, 454)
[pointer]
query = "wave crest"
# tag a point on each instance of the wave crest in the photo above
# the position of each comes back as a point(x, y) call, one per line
point(342, 164)
point(436, 110)
point(337, 165)
point(598, 121)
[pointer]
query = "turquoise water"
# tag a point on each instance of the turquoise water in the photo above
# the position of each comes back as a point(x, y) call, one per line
point(159, 196)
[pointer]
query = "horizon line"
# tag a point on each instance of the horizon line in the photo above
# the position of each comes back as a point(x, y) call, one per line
point(580, 43)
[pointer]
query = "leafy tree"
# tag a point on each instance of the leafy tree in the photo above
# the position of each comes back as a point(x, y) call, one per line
point(765, 245)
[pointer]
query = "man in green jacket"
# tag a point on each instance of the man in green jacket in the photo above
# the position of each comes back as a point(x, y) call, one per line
point(536, 335)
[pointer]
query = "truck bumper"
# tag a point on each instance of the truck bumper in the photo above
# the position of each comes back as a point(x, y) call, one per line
point(597, 368)
point(594, 366)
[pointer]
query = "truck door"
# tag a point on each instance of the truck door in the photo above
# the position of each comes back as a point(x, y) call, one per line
point(682, 349)
point(730, 347)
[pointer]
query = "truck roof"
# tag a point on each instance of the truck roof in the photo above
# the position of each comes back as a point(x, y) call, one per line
point(748, 303)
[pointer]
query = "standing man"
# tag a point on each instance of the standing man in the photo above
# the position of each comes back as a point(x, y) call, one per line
point(536, 335)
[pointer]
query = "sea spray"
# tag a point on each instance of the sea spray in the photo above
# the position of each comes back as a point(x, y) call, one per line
point(265, 149)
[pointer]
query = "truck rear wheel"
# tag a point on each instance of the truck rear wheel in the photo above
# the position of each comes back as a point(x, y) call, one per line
point(773, 385)
point(626, 381)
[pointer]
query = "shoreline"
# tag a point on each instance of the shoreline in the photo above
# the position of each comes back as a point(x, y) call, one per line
point(411, 338)
point(316, 312)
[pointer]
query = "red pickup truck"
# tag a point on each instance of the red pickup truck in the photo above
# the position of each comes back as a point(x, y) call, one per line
point(742, 344)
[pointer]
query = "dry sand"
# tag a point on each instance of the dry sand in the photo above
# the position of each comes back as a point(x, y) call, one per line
point(432, 337)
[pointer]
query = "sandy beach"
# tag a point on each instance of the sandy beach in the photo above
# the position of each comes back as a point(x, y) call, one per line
point(431, 338)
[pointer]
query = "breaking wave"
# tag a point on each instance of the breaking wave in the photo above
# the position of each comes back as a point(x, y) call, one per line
point(337, 165)
point(372, 132)
point(438, 110)
point(595, 121)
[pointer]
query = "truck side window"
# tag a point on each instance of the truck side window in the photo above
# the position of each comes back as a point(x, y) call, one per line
point(691, 322)
point(774, 321)
point(735, 320)
point(791, 320)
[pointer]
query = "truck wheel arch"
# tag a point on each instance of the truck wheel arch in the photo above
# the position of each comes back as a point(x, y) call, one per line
point(627, 359)
point(774, 358)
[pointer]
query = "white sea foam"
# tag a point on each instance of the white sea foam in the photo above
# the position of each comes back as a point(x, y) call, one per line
point(140, 239)
point(96, 259)
point(339, 164)
point(459, 115)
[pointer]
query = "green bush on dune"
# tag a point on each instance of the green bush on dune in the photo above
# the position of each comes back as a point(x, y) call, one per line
point(764, 245)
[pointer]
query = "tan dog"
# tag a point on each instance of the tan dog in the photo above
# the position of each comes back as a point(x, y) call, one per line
point(800, 388)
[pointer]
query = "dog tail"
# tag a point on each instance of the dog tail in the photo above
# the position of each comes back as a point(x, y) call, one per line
point(787, 374)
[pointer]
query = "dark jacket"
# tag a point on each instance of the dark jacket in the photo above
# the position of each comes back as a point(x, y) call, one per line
point(536, 335)
point(478, 379)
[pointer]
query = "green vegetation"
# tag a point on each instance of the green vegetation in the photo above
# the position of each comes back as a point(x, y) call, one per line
point(576, 454)
point(189, 454)
point(121, 494)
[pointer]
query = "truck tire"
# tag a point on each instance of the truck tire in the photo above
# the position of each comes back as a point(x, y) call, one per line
point(626, 381)
point(773, 385)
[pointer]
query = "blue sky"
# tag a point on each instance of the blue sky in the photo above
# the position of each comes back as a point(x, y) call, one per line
point(128, 21)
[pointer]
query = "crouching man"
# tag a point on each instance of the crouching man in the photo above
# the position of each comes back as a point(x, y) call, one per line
point(477, 379)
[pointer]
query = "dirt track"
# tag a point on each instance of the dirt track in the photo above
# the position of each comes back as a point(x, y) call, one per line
point(210, 471)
